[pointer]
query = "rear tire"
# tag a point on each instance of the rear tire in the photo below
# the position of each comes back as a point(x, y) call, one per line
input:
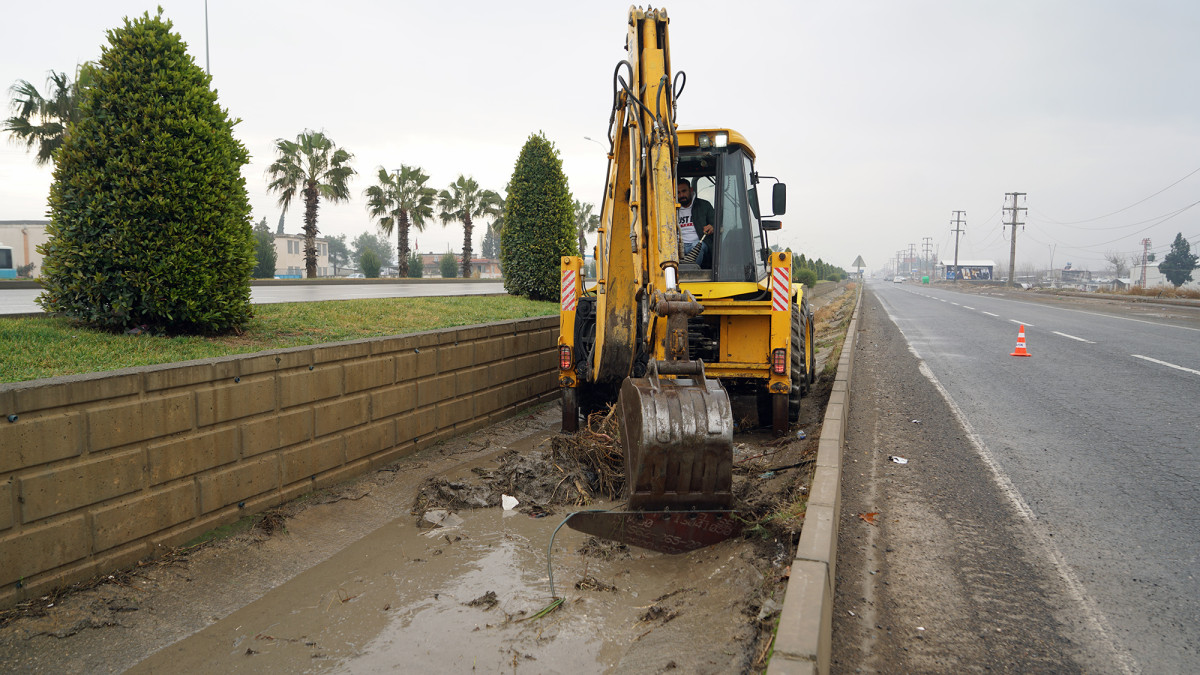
point(800, 375)
point(812, 354)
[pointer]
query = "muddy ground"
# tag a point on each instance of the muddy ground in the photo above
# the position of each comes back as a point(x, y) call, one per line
point(419, 567)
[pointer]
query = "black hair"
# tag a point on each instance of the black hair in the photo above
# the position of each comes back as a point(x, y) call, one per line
point(684, 181)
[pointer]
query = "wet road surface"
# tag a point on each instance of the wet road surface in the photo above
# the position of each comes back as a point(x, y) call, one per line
point(1093, 441)
point(24, 300)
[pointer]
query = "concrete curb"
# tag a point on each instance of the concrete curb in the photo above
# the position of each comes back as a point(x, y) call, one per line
point(804, 640)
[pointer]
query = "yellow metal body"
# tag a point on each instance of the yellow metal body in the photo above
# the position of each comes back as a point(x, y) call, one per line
point(569, 294)
point(638, 240)
point(638, 245)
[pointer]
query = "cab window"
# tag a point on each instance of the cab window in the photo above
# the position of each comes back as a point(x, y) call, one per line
point(737, 253)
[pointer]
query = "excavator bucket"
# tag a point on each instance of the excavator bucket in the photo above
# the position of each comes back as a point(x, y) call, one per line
point(678, 440)
point(662, 531)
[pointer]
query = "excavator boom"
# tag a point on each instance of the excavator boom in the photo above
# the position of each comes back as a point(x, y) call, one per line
point(629, 339)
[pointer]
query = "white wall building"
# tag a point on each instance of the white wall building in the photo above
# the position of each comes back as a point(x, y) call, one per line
point(289, 256)
point(1156, 278)
point(24, 236)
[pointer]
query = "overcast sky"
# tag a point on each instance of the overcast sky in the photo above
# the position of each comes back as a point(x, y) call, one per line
point(883, 117)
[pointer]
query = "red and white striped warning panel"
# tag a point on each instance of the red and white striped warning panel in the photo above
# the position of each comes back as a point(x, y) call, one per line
point(568, 290)
point(779, 289)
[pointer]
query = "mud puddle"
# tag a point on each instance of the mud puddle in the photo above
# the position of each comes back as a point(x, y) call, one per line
point(461, 597)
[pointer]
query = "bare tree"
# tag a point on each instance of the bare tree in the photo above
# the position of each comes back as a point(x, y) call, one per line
point(1118, 263)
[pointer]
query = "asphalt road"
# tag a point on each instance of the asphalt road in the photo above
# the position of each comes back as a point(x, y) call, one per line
point(23, 300)
point(938, 571)
point(1095, 438)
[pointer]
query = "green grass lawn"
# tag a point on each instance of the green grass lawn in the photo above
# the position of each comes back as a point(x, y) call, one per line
point(36, 347)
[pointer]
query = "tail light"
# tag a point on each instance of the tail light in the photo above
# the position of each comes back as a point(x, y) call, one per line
point(564, 357)
point(779, 361)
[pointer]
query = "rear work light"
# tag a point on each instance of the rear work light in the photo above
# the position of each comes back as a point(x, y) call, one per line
point(564, 357)
point(779, 361)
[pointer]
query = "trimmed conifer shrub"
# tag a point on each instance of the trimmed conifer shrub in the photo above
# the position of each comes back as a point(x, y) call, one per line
point(539, 225)
point(448, 266)
point(806, 276)
point(370, 264)
point(416, 266)
point(265, 256)
point(150, 221)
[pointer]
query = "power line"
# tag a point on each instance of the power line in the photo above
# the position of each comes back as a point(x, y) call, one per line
point(1117, 227)
point(1157, 220)
point(1088, 220)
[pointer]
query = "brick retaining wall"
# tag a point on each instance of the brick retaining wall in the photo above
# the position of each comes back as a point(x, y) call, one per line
point(100, 471)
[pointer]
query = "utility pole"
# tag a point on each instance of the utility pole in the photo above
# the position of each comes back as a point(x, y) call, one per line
point(958, 223)
point(926, 251)
point(899, 257)
point(912, 255)
point(1145, 259)
point(1015, 212)
point(207, 71)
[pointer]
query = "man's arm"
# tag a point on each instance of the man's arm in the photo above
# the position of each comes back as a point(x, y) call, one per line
point(704, 216)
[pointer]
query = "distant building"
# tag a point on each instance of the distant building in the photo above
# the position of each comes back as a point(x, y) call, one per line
point(970, 270)
point(24, 236)
point(481, 268)
point(289, 257)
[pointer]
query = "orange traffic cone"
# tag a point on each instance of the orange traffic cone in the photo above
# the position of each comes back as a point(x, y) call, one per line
point(1020, 350)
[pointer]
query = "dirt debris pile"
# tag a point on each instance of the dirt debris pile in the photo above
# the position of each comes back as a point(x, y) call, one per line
point(573, 471)
point(486, 601)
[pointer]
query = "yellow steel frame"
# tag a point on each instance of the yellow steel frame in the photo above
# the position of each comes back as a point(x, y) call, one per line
point(638, 236)
point(568, 307)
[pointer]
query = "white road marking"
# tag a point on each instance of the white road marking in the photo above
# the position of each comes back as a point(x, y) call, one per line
point(1023, 323)
point(1106, 316)
point(1164, 363)
point(1073, 337)
point(1091, 611)
point(956, 304)
point(970, 308)
point(990, 314)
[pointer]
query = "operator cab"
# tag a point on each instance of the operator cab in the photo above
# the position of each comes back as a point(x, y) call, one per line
point(719, 165)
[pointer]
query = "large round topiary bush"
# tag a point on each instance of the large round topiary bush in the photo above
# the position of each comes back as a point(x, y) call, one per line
point(150, 221)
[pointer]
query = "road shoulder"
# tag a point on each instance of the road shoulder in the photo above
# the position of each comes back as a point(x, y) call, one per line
point(936, 570)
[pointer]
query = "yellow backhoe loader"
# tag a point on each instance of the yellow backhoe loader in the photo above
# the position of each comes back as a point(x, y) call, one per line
point(670, 328)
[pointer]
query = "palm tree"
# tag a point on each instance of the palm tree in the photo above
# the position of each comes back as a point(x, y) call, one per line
point(585, 222)
point(398, 201)
point(315, 167)
point(463, 202)
point(43, 122)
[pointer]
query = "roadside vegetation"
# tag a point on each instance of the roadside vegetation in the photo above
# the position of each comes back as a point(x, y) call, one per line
point(149, 215)
point(829, 323)
point(1163, 292)
point(539, 222)
point(37, 347)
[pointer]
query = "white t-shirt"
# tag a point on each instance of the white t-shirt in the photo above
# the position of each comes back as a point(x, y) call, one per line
point(687, 229)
